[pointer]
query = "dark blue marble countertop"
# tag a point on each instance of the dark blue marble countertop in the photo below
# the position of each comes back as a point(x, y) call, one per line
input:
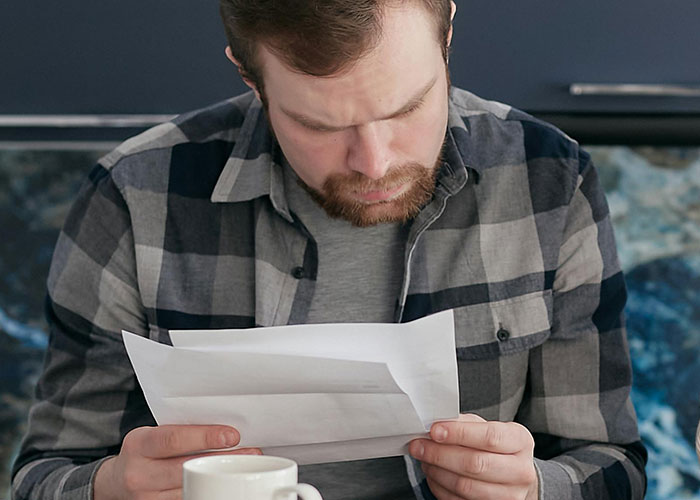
point(654, 197)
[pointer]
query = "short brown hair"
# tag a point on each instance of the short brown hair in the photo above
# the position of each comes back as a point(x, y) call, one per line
point(315, 37)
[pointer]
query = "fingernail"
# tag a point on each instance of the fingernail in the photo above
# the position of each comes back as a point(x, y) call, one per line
point(228, 439)
point(439, 433)
point(418, 450)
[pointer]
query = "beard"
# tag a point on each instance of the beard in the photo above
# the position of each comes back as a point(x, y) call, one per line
point(338, 197)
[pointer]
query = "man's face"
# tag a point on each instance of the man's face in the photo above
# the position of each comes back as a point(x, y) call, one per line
point(366, 143)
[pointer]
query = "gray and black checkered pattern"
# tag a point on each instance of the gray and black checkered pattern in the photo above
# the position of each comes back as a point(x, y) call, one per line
point(187, 226)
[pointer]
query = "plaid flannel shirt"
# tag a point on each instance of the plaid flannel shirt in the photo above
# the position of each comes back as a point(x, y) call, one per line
point(187, 226)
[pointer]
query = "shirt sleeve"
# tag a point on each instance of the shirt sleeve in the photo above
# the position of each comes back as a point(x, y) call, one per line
point(578, 403)
point(87, 397)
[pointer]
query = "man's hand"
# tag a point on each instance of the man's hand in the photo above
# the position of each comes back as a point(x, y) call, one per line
point(475, 459)
point(149, 465)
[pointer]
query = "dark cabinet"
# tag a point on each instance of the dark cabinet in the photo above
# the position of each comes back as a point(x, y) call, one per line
point(529, 53)
point(166, 56)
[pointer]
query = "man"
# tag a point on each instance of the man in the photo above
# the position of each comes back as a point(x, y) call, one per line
point(351, 185)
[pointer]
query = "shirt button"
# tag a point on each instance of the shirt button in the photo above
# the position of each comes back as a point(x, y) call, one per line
point(298, 272)
point(502, 334)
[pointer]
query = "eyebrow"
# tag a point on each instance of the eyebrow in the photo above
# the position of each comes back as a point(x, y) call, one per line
point(317, 125)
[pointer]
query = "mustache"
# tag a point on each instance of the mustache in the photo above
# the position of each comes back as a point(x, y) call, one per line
point(359, 183)
point(338, 200)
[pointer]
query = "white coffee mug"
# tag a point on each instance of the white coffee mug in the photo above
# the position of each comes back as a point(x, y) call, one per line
point(243, 477)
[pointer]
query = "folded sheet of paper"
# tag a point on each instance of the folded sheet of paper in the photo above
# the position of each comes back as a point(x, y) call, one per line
point(313, 393)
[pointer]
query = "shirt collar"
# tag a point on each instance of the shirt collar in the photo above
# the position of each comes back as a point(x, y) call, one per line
point(459, 144)
point(254, 168)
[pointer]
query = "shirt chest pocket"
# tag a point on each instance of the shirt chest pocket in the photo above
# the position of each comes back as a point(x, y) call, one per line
point(503, 327)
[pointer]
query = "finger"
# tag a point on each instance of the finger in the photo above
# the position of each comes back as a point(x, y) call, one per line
point(166, 474)
point(175, 494)
point(477, 464)
point(246, 451)
point(496, 437)
point(237, 451)
point(454, 486)
point(176, 440)
point(442, 493)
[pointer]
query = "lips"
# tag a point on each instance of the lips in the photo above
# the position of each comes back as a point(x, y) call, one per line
point(382, 195)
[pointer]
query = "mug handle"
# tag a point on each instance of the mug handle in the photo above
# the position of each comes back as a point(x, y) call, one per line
point(305, 491)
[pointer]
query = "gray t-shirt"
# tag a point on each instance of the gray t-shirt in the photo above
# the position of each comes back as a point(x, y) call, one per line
point(359, 275)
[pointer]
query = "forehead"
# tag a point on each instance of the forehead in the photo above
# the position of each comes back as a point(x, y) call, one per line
point(407, 57)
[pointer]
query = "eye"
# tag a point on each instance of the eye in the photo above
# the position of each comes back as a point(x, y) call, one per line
point(318, 130)
point(412, 109)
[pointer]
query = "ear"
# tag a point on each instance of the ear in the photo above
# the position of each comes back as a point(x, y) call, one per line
point(246, 80)
point(453, 7)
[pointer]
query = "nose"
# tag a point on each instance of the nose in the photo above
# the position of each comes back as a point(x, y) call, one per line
point(369, 152)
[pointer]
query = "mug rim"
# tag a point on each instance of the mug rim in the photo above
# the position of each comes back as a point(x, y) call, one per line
point(197, 465)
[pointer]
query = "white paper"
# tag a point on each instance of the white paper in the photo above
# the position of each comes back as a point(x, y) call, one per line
point(313, 393)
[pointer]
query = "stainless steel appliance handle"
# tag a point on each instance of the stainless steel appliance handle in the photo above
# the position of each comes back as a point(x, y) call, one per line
point(634, 90)
point(83, 121)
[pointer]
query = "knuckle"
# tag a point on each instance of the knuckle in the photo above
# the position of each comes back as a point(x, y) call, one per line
point(476, 463)
point(462, 434)
point(169, 440)
point(494, 436)
point(483, 464)
point(464, 486)
point(439, 459)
